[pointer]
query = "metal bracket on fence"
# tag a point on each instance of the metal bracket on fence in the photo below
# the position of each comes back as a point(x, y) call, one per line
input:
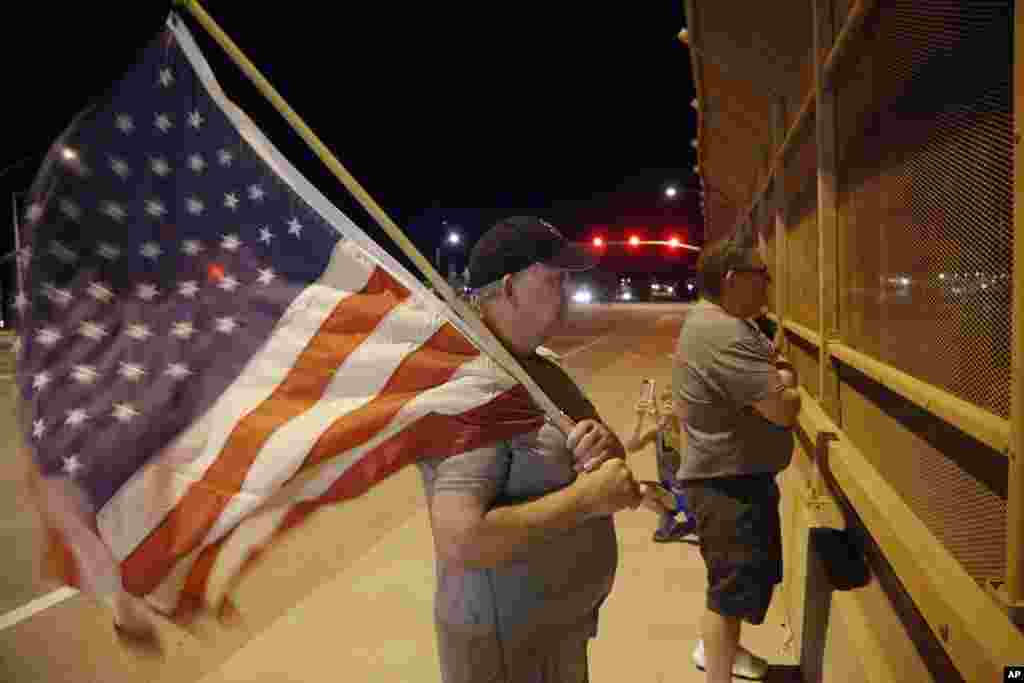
point(997, 591)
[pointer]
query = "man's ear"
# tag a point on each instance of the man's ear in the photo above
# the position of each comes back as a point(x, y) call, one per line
point(508, 290)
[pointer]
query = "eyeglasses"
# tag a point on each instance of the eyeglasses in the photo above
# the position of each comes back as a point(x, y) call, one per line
point(763, 270)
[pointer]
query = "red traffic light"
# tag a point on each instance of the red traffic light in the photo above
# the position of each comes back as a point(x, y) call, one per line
point(634, 241)
point(598, 242)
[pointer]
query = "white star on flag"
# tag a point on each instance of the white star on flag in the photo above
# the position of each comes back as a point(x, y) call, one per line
point(61, 251)
point(132, 372)
point(61, 297)
point(266, 235)
point(195, 119)
point(114, 210)
point(101, 292)
point(125, 123)
point(231, 242)
point(48, 336)
point(139, 332)
point(226, 325)
point(196, 163)
point(76, 417)
point(124, 412)
point(160, 166)
point(163, 122)
point(194, 206)
point(155, 208)
point(191, 247)
point(72, 465)
point(188, 289)
point(177, 370)
point(183, 329)
point(231, 200)
point(70, 209)
point(40, 380)
point(151, 250)
point(147, 291)
point(108, 251)
point(166, 77)
point(294, 227)
point(92, 330)
point(255, 193)
point(38, 428)
point(267, 275)
point(228, 283)
point(84, 374)
point(120, 167)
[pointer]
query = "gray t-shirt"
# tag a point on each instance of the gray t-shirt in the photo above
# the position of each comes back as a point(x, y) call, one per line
point(724, 364)
point(559, 586)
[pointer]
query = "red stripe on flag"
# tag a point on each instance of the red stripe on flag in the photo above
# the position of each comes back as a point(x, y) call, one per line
point(351, 322)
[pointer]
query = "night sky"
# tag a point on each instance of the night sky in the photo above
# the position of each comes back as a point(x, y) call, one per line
point(453, 111)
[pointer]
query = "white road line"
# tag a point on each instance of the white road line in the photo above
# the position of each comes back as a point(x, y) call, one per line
point(585, 346)
point(29, 610)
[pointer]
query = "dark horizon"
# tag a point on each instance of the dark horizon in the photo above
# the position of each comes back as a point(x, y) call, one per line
point(580, 117)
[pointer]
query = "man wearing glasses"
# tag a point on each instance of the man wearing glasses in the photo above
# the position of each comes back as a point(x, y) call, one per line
point(737, 401)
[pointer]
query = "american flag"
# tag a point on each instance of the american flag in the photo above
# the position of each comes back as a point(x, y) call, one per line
point(210, 350)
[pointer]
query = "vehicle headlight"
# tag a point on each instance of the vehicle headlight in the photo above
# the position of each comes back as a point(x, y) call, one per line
point(582, 296)
point(625, 296)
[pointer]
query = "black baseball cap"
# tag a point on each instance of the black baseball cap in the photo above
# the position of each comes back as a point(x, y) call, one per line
point(518, 242)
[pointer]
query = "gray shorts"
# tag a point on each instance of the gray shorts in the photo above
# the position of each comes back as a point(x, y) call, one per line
point(541, 658)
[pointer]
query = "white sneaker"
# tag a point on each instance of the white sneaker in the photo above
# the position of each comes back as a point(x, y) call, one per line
point(747, 665)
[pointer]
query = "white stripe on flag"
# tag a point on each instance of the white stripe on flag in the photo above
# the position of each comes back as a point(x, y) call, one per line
point(250, 534)
point(142, 503)
point(357, 382)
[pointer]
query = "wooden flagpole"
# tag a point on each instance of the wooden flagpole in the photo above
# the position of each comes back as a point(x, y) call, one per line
point(492, 346)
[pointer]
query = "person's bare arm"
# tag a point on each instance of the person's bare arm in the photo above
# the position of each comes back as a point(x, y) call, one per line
point(780, 407)
point(471, 534)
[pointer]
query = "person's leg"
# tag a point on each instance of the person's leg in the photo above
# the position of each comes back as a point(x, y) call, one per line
point(721, 641)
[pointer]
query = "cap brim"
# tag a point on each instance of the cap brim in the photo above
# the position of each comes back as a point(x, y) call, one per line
point(572, 257)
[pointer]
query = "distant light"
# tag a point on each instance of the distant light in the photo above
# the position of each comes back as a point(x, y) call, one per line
point(583, 296)
point(655, 286)
point(693, 143)
point(634, 241)
point(942, 276)
point(453, 238)
point(674, 242)
point(689, 286)
point(671, 290)
point(598, 242)
point(670, 191)
point(69, 154)
point(696, 169)
point(694, 103)
point(904, 281)
point(626, 296)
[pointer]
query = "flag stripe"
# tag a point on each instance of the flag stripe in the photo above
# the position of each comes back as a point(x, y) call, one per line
point(150, 495)
point(429, 365)
point(193, 517)
point(429, 435)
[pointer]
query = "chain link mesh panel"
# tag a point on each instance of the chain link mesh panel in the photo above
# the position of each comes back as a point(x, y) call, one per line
point(925, 204)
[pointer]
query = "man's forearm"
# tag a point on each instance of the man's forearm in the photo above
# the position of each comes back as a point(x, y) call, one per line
point(508, 532)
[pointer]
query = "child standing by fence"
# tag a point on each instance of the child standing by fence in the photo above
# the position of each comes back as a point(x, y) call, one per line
point(665, 434)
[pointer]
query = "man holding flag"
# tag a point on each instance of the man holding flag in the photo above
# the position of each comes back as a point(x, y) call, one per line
point(526, 547)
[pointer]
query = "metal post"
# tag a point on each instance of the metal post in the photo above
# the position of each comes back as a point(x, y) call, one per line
point(828, 219)
point(779, 201)
point(1015, 488)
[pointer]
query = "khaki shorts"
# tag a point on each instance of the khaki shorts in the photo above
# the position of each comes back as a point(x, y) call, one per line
point(740, 541)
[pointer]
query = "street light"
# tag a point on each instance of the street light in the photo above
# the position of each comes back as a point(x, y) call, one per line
point(453, 240)
point(671, 191)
